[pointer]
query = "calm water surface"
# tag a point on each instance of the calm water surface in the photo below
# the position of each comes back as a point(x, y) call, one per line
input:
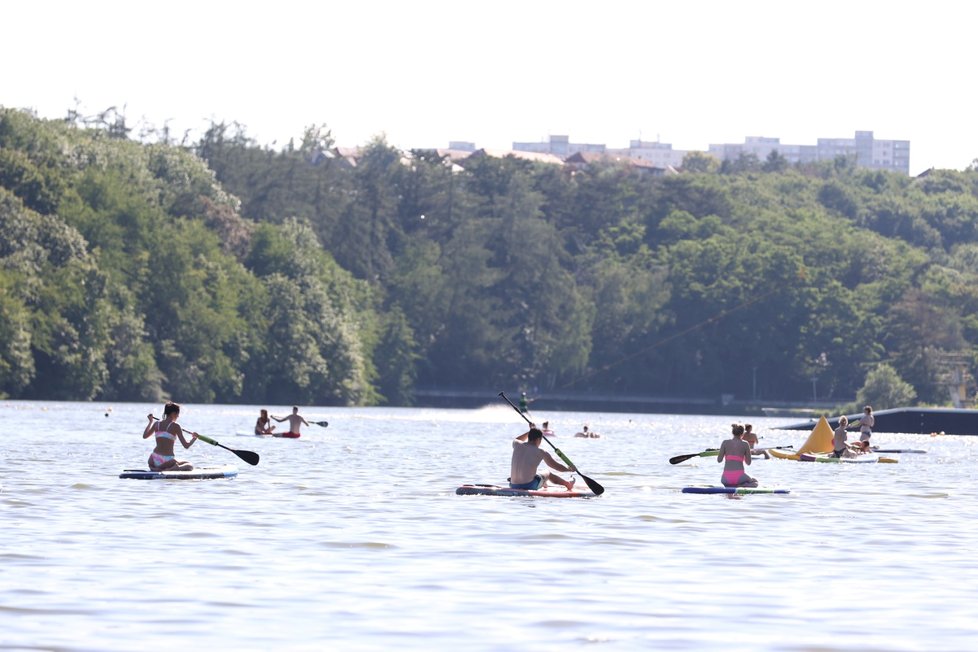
point(352, 538)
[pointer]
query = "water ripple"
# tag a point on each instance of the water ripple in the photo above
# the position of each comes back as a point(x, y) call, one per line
point(352, 538)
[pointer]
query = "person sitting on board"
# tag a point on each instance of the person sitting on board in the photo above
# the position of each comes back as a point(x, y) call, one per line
point(861, 447)
point(166, 432)
point(587, 433)
point(547, 432)
point(527, 456)
point(840, 445)
point(264, 425)
point(295, 422)
point(866, 423)
point(751, 438)
point(734, 453)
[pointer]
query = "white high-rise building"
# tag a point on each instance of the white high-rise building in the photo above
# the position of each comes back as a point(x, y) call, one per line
point(866, 151)
point(559, 146)
point(661, 155)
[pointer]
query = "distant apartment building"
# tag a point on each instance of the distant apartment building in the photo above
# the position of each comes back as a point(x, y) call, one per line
point(559, 146)
point(866, 151)
point(461, 145)
point(660, 155)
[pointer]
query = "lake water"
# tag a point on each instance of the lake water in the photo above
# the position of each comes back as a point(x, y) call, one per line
point(352, 538)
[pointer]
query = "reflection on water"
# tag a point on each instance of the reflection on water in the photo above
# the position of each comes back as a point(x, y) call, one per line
point(352, 538)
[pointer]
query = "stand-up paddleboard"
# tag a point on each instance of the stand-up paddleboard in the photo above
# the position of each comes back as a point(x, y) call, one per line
point(285, 435)
point(865, 458)
point(734, 490)
point(201, 473)
point(897, 450)
point(496, 490)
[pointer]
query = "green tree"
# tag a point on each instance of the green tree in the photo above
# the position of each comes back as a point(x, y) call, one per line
point(700, 162)
point(885, 389)
point(775, 162)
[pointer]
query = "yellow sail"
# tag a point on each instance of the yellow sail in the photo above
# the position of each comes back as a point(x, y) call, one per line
point(820, 441)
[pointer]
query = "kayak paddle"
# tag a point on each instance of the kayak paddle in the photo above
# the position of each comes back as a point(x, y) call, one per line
point(592, 485)
point(682, 458)
point(248, 456)
point(321, 423)
point(710, 452)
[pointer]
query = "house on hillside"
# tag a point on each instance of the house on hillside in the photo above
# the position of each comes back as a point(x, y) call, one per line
point(536, 157)
point(581, 160)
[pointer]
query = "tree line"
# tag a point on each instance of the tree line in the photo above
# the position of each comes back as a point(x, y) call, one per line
point(224, 270)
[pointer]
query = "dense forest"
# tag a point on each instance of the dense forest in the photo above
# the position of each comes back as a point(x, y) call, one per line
point(223, 270)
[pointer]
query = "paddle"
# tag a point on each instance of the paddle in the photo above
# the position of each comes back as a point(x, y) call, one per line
point(321, 423)
point(682, 458)
point(248, 456)
point(592, 485)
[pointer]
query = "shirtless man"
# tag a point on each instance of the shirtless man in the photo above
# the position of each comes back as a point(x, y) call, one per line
point(294, 420)
point(527, 456)
point(751, 438)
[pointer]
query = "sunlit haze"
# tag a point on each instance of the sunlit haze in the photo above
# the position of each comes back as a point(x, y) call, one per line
point(427, 72)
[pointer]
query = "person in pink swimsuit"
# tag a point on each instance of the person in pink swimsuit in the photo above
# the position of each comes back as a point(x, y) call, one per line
point(735, 452)
point(166, 433)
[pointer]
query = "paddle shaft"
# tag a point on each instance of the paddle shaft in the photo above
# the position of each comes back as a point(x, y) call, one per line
point(592, 485)
point(248, 456)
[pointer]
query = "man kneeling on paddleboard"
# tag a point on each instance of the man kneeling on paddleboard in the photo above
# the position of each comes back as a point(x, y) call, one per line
point(527, 456)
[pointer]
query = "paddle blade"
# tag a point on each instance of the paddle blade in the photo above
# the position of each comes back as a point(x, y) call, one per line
point(592, 485)
point(321, 423)
point(682, 458)
point(248, 456)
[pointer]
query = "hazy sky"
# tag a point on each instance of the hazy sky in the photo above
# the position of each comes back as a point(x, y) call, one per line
point(424, 72)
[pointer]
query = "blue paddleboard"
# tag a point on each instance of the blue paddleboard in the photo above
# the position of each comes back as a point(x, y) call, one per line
point(734, 490)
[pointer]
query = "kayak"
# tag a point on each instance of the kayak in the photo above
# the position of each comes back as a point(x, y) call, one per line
point(496, 490)
point(866, 458)
point(734, 490)
point(201, 473)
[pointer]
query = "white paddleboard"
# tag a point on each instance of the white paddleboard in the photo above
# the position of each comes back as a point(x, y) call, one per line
point(200, 473)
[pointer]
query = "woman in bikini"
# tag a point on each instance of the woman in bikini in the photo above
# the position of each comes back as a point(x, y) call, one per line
point(866, 424)
point(166, 432)
point(264, 425)
point(735, 452)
